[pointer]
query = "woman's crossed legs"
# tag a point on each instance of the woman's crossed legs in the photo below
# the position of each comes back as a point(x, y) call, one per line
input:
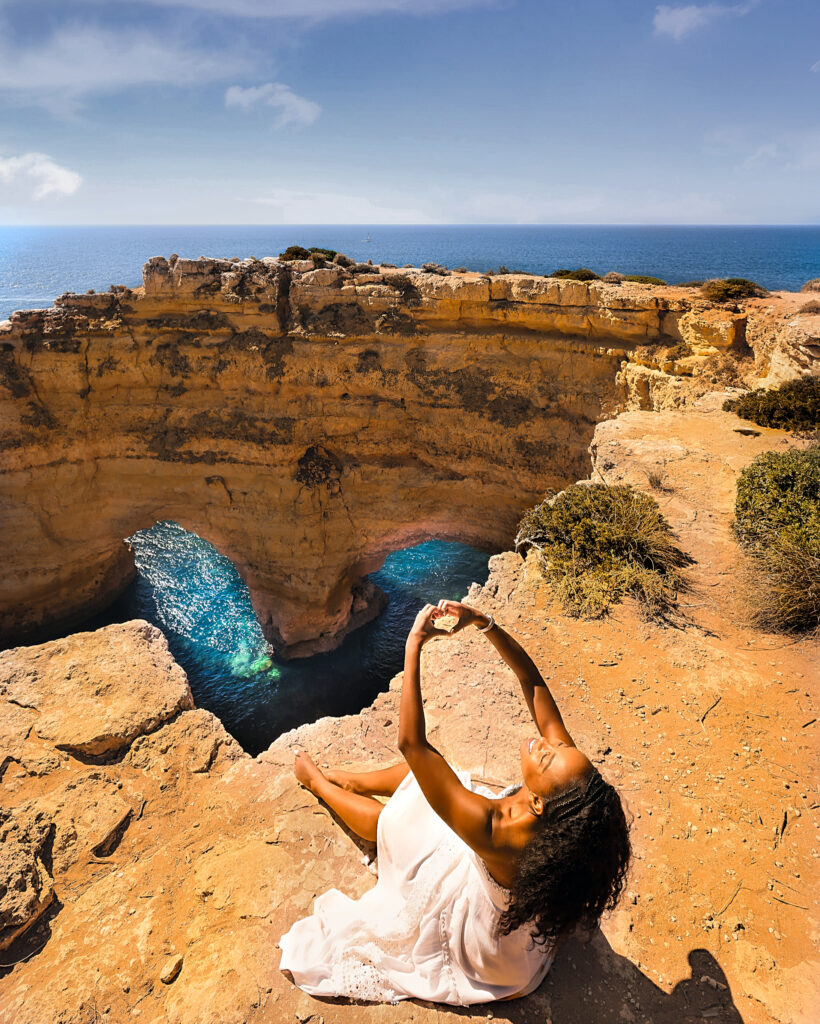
point(351, 794)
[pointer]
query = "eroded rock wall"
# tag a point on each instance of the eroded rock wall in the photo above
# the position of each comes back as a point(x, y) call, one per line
point(304, 420)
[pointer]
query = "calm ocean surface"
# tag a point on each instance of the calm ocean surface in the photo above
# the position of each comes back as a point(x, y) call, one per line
point(191, 592)
point(38, 264)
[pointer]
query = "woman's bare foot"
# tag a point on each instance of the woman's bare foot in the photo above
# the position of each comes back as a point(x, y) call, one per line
point(305, 770)
point(344, 780)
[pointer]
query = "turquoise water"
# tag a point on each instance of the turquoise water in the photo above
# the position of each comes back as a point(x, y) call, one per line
point(37, 264)
point(199, 601)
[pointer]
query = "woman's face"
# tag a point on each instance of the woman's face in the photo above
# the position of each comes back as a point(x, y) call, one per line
point(550, 768)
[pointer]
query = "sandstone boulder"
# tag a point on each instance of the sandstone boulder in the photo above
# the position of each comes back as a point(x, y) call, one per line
point(711, 330)
point(91, 695)
point(26, 885)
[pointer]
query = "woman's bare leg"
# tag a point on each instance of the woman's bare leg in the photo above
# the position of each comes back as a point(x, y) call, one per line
point(359, 813)
point(383, 782)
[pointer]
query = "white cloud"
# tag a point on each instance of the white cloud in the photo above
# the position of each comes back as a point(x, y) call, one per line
point(79, 61)
point(764, 154)
point(680, 22)
point(35, 176)
point(816, 66)
point(291, 108)
point(291, 206)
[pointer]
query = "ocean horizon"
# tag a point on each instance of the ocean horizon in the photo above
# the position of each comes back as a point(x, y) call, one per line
point(38, 263)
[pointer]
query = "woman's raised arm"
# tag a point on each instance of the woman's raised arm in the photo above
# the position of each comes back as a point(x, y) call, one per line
point(539, 700)
point(469, 815)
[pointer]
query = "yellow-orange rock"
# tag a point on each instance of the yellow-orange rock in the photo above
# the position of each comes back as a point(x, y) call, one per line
point(712, 330)
point(305, 420)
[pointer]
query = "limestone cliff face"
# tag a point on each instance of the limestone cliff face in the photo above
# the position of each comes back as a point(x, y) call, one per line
point(305, 420)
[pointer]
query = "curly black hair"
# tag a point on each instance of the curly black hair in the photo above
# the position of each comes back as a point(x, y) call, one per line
point(574, 868)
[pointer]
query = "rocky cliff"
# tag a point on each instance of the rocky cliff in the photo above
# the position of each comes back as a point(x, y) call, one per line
point(308, 420)
point(148, 866)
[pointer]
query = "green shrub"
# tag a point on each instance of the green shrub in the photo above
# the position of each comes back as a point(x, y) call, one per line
point(727, 289)
point(295, 252)
point(777, 523)
point(598, 544)
point(644, 279)
point(328, 254)
point(794, 405)
point(581, 274)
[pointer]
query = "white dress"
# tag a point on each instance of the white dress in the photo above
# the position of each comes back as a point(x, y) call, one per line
point(426, 930)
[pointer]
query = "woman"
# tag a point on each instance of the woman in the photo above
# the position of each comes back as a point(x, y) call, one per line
point(474, 892)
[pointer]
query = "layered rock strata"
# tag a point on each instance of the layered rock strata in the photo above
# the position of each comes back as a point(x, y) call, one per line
point(305, 420)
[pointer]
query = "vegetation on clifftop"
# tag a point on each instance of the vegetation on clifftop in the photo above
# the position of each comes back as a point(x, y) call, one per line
point(794, 405)
point(644, 279)
point(581, 274)
point(598, 544)
point(777, 523)
point(299, 252)
point(731, 288)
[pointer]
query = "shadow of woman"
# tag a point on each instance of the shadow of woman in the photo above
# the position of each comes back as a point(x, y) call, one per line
point(590, 983)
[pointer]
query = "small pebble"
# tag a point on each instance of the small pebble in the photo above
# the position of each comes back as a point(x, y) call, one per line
point(173, 965)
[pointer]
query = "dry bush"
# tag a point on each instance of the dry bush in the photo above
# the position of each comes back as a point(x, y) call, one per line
point(295, 252)
point(777, 523)
point(779, 587)
point(810, 307)
point(598, 544)
point(811, 286)
point(680, 350)
point(794, 405)
point(581, 274)
point(724, 370)
point(657, 480)
point(730, 288)
point(644, 279)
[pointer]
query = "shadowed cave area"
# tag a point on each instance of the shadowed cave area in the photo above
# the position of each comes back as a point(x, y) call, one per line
point(195, 595)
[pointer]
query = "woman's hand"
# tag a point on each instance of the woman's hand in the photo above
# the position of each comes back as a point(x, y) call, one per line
point(465, 615)
point(423, 629)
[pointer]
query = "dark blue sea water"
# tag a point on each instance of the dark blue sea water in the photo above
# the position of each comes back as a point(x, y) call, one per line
point(39, 263)
point(199, 601)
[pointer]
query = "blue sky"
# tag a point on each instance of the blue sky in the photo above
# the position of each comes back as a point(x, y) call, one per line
point(392, 111)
